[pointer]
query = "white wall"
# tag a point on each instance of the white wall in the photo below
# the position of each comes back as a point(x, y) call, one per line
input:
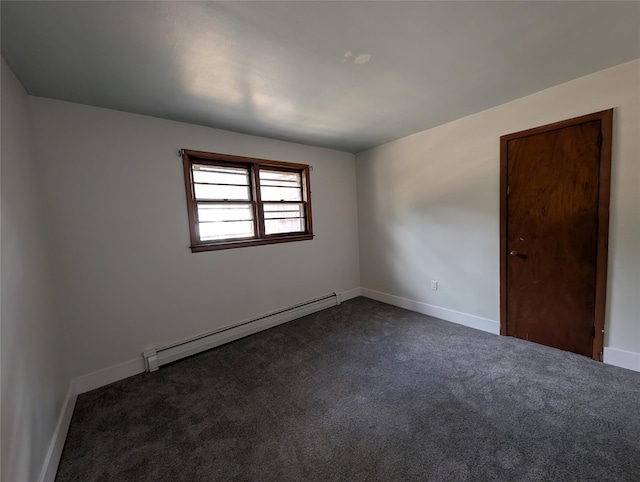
point(35, 378)
point(428, 204)
point(126, 277)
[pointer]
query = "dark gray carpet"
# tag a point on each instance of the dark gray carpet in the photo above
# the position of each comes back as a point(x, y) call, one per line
point(363, 391)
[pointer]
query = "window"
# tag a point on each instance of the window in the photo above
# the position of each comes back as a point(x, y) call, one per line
point(239, 201)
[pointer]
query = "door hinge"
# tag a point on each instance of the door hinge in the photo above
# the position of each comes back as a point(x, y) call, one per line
point(593, 331)
point(600, 140)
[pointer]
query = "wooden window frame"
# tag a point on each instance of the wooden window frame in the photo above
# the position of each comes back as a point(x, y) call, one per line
point(190, 157)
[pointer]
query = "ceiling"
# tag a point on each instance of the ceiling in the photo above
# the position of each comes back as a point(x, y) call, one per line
point(344, 75)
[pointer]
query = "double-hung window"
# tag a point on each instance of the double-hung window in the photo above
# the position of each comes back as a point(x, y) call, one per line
point(238, 201)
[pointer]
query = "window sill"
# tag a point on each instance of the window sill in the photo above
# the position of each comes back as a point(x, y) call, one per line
point(251, 242)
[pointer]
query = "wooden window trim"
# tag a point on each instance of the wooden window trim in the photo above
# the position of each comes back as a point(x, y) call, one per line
point(190, 157)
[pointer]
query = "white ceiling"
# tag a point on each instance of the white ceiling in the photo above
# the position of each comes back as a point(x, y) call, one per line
point(301, 71)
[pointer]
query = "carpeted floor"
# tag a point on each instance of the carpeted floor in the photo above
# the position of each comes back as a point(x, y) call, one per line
point(363, 391)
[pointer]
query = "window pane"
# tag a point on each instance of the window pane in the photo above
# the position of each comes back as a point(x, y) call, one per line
point(220, 175)
point(292, 225)
point(276, 211)
point(221, 192)
point(226, 230)
point(280, 186)
point(219, 183)
point(279, 178)
point(222, 221)
point(280, 194)
point(224, 212)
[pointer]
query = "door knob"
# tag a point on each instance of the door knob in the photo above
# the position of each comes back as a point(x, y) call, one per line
point(514, 253)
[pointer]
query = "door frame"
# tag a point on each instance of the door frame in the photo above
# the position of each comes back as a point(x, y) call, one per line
point(606, 127)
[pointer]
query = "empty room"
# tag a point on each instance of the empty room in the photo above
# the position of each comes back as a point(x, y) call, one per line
point(320, 240)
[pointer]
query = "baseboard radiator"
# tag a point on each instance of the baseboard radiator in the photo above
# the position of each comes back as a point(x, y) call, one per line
point(156, 357)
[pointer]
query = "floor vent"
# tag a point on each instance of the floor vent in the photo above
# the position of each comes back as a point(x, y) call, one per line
point(156, 357)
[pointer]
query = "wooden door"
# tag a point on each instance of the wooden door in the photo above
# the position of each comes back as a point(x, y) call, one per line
point(554, 227)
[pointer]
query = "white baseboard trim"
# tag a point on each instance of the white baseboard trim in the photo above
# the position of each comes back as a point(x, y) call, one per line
point(472, 321)
point(611, 356)
point(78, 385)
point(52, 459)
point(114, 373)
point(622, 358)
point(349, 294)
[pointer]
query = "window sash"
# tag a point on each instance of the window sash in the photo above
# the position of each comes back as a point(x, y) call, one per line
point(271, 221)
point(221, 210)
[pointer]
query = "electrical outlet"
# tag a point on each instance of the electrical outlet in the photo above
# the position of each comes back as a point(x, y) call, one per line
point(434, 285)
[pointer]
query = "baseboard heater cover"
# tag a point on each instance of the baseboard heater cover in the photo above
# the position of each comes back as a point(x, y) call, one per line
point(156, 357)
